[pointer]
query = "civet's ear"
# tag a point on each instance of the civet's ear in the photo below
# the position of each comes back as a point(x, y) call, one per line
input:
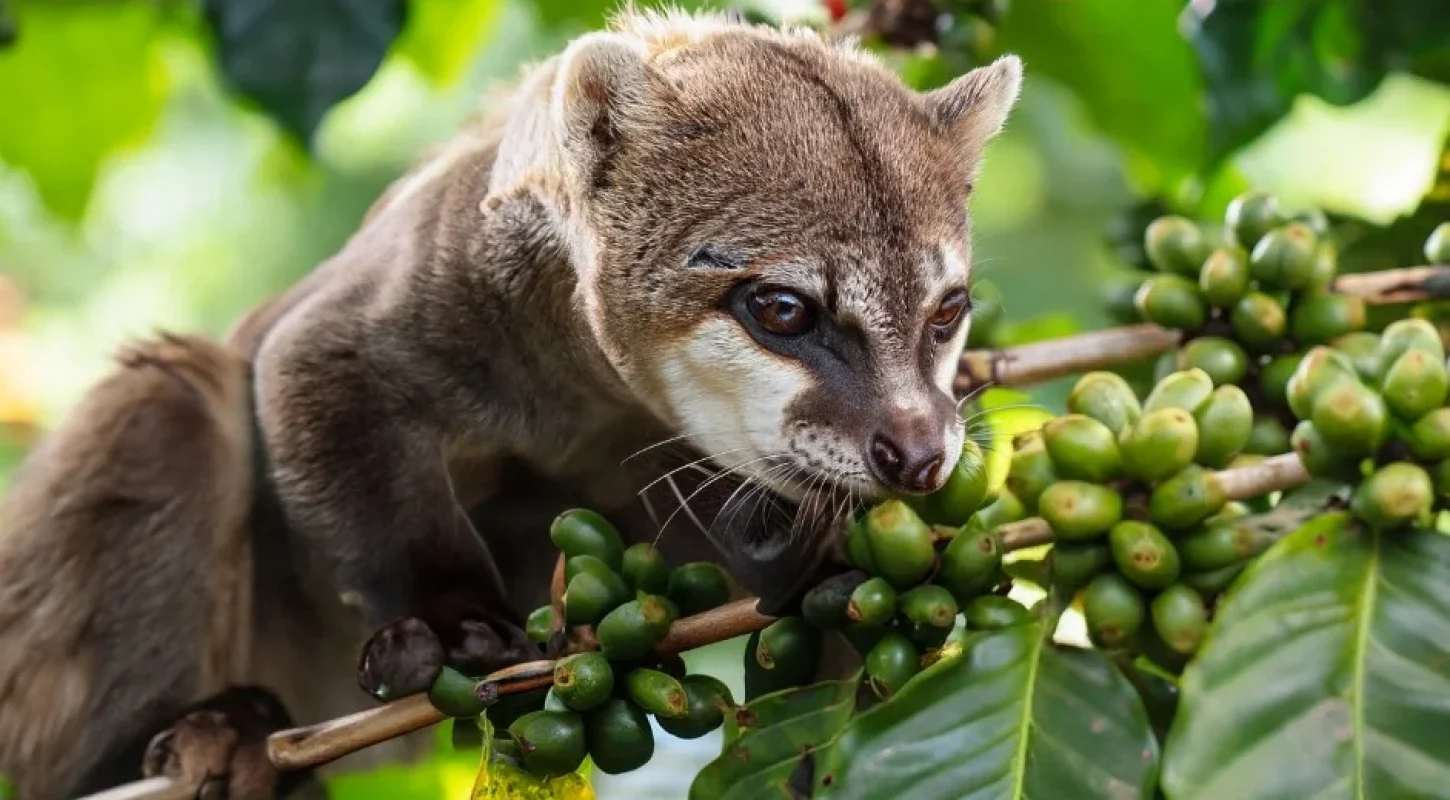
point(602, 84)
point(975, 106)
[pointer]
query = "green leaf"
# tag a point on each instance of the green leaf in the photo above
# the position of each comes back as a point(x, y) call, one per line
point(1145, 94)
point(1324, 674)
point(1258, 57)
point(442, 36)
point(1015, 716)
point(299, 59)
point(778, 731)
point(82, 82)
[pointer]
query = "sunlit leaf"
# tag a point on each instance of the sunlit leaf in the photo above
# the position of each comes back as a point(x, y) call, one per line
point(81, 83)
point(441, 36)
point(1324, 674)
point(1014, 717)
point(299, 59)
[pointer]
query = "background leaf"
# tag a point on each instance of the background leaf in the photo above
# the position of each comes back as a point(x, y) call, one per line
point(1326, 674)
point(86, 82)
point(1014, 716)
point(299, 59)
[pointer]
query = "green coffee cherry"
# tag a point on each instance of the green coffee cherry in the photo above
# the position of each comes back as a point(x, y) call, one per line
point(575, 565)
point(550, 743)
point(1320, 458)
point(1429, 437)
point(825, 605)
point(1251, 215)
point(583, 681)
point(1284, 258)
point(1259, 321)
point(1005, 509)
point(900, 543)
point(1319, 369)
point(1395, 496)
point(991, 612)
point(698, 586)
point(590, 596)
point(1404, 335)
point(619, 736)
point(1323, 271)
point(540, 624)
point(1107, 398)
point(1320, 319)
point(581, 532)
point(1437, 245)
point(931, 610)
point(1219, 545)
point(1172, 301)
point(872, 603)
point(1415, 384)
point(1186, 499)
point(1314, 218)
point(1274, 378)
point(1440, 478)
point(1223, 360)
point(1031, 471)
point(645, 570)
point(1077, 510)
point(656, 692)
point(1352, 417)
point(783, 655)
point(858, 549)
point(1213, 583)
point(1143, 554)
point(1082, 448)
point(1074, 564)
point(1224, 277)
point(890, 664)
point(1175, 244)
point(970, 564)
point(1267, 438)
point(455, 694)
point(1186, 389)
point(1160, 445)
point(633, 629)
point(1362, 348)
point(1112, 609)
point(1224, 423)
point(1180, 617)
point(964, 491)
point(708, 699)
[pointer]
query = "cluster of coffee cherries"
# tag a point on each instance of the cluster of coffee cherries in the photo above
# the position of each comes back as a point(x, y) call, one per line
point(1372, 412)
point(1140, 521)
point(1251, 296)
point(622, 600)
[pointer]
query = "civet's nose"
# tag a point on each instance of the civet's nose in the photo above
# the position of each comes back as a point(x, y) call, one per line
point(910, 463)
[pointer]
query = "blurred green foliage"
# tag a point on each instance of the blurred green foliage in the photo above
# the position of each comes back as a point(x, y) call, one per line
point(171, 163)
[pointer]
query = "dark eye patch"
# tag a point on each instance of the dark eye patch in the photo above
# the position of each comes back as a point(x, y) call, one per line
point(713, 258)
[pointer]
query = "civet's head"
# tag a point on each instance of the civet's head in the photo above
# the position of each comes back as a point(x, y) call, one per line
point(773, 242)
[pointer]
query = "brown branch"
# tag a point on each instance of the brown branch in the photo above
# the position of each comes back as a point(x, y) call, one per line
point(149, 789)
point(1273, 474)
point(1056, 358)
point(1020, 535)
point(1404, 285)
point(325, 742)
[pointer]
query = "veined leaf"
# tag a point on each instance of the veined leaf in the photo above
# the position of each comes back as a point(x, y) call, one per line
point(778, 732)
point(1014, 717)
point(1326, 674)
point(299, 59)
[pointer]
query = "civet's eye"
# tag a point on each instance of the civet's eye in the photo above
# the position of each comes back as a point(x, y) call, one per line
point(944, 320)
point(781, 312)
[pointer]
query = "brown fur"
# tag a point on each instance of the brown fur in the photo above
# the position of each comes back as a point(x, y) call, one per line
point(133, 512)
point(519, 326)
